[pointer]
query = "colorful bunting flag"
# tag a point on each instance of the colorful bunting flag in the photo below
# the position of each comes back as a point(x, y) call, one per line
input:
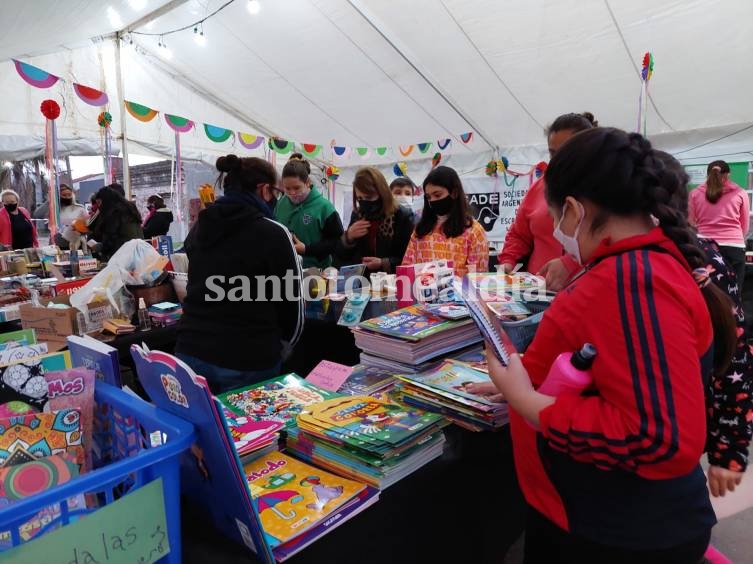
point(141, 113)
point(443, 144)
point(310, 150)
point(406, 152)
point(178, 124)
point(91, 96)
point(217, 134)
point(35, 76)
point(250, 141)
point(424, 147)
point(281, 146)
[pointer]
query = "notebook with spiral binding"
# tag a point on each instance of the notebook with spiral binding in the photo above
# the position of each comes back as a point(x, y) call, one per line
point(487, 322)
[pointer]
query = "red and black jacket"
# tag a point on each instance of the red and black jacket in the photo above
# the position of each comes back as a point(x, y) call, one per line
point(619, 464)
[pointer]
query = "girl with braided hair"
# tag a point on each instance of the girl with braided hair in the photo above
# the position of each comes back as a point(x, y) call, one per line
point(612, 474)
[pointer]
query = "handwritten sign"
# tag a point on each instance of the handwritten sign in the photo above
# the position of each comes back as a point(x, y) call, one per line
point(130, 530)
point(329, 375)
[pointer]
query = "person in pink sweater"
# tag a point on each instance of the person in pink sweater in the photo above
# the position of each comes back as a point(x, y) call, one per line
point(720, 210)
point(529, 241)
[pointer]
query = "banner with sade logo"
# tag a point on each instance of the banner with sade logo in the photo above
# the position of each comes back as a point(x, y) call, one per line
point(494, 203)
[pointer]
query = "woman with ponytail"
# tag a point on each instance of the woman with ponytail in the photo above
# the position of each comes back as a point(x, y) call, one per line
point(720, 210)
point(612, 474)
point(235, 331)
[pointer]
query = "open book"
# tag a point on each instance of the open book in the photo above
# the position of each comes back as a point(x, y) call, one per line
point(487, 322)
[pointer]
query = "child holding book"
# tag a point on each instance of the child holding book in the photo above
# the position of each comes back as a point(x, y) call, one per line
point(447, 229)
point(613, 474)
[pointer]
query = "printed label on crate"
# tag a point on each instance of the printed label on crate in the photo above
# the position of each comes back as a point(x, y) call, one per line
point(132, 529)
point(173, 390)
point(245, 534)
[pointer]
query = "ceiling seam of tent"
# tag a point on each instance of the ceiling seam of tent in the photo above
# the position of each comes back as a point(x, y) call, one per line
point(633, 63)
point(200, 91)
point(746, 128)
point(355, 5)
point(293, 86)
point(491, 68)
point(447, 130)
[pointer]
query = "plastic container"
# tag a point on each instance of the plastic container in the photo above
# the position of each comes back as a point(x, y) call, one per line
point(521, 332)
point(570, 373)
point(124, 460)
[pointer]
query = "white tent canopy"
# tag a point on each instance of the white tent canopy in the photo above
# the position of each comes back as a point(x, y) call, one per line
point(373, 73)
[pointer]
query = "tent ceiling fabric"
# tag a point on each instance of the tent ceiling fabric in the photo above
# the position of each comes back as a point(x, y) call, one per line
point(389, 72)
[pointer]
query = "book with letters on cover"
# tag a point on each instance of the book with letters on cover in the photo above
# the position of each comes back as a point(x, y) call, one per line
point(96, 355)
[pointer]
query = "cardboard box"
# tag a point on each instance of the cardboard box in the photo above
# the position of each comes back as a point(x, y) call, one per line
point(54, 326)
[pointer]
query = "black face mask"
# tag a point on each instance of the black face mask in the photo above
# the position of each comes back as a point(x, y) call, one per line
point(443, 206)
point(66, 201)
point(370, 209)
point(11, 207)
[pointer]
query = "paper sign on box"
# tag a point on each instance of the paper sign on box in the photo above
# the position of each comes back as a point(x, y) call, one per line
point(132, 529)
point(329, 375)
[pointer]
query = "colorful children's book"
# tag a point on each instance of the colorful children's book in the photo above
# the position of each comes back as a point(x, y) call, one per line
point(17, 338)
point(33, 477)
point(100, 357)
point(369, 419)
point(24, 381)
point(411, 323)
point(22, 353)
point(447, 310)
point(353, 310)
point(249, 435)
point(30, 437)
point(278, 399)
point(69, 389)
point(505, 282)
point(293, 497)
point(211, 471)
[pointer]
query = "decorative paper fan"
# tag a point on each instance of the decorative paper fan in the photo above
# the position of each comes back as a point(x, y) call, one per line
point(34, 75)
point(310, 150)
point(281, 146)
point(91, 96)
point(179, 124)
point(217, 134)
point(141, 113)
point(250, 141)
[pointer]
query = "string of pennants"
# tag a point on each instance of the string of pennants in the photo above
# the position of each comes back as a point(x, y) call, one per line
point(40, 78)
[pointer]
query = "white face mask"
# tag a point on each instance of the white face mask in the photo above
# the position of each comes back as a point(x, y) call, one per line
point(406, 201)
point(570, 242)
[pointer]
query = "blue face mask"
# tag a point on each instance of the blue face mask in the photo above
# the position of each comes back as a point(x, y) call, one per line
point(570, 242)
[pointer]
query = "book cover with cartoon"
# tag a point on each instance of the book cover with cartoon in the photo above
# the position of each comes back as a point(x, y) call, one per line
point(454, 377)
point(412, 323)
point(292, 497)
point(277, 399)
point(369, 419)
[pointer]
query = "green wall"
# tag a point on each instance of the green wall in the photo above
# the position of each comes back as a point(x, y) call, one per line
point(738, 174)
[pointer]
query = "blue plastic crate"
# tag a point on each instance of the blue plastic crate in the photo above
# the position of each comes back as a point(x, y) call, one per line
point(124, 460)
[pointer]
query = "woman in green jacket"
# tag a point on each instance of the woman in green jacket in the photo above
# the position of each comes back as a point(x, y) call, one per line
point(311, 218)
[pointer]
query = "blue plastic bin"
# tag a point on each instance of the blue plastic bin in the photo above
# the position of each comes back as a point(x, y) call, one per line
point(124, 460)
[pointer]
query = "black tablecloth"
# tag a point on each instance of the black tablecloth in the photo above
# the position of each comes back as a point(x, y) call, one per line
point(464, 507)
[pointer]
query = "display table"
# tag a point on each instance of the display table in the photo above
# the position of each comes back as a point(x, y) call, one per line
point(463, 507)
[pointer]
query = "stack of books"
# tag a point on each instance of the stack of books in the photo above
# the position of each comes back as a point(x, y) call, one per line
point(298, 503)
point(165, 314)
point(118, 327)
point(367, 439)
point(278, 399)
point(410, 339)
point(367, 380)
point(252, 439)
point(444, 391)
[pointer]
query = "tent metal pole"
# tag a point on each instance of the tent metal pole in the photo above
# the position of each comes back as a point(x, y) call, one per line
point(123, 129)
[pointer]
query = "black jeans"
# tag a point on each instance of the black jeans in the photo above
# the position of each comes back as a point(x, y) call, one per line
point(735, 259)
point(546, 543)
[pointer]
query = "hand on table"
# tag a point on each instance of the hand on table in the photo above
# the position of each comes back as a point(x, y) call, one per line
point(556, 275)
point(488, 391)
point(372, 263)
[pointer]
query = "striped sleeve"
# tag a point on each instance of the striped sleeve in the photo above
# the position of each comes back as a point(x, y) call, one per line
point(648, 415)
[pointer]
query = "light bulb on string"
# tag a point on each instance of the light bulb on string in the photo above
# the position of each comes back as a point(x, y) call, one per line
point(254, 6)
point(198, 36)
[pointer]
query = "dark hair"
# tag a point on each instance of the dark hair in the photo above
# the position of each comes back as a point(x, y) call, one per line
point(714, 180)
point(116, 188)
point(572, 122)
point(113, 204)
point(621, 174)
point(156, 201)
point(245, 174)
point(369, 180)
point(401, 182)
point(297, 167)
point(674, 172)
point(460, 217)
